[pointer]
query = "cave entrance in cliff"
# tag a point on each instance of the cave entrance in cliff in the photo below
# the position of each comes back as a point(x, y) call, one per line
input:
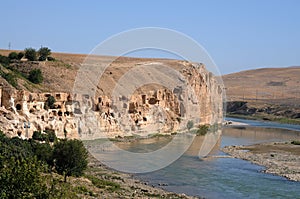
point(18, 107)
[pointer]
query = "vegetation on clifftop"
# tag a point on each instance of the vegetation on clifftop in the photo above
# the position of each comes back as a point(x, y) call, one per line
point(11, 73)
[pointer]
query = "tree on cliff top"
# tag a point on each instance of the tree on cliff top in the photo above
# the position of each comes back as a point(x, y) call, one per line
point(30, 54)
point(70, 158)
point(44, 52)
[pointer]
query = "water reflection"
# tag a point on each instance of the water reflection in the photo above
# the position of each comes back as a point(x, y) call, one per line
point(247, 135)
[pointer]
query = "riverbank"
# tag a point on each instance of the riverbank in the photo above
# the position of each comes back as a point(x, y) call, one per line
point(120, 185)
point(279, 158)
point(264, 117)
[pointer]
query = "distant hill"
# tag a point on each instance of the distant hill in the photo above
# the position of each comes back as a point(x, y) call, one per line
point(266, 85)
point(266, 93)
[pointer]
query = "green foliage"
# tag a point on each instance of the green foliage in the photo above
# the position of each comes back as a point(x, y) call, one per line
point(30, 54)
point(13, 55)
point(36, 76)
point(62, 190)
point(23, 171)
point(70, 157)
point(37, 135)
point(4, 60)
point(100, 183)
point(11, 79)
point(190, 124)
point(47, 136)
point(20, 171)
point(43, 152)
point(202, 130)
point(50, 102)
point(44, 52)
point(20, 55)
point(84, 190)
point(51, 58)
point(296, 142)
point(21, 178)
point(51, 135)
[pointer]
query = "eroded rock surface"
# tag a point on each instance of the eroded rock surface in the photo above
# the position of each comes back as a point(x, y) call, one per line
point(148, 109)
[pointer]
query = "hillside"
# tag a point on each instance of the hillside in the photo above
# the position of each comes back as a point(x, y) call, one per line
point(267, 92)
point(59, 75)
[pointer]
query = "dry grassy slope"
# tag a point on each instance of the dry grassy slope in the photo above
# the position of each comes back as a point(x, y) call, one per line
point(60, 75)
point(266, 85)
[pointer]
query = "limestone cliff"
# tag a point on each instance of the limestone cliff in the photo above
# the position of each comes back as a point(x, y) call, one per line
point(150, 109)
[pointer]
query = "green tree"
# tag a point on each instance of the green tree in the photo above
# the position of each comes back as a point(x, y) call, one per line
point(36, 76)
point(20, 55)
point(44, 52)
point(51, 135)
point(30, 54)
point(43, 151)
point(13, 55)
point(70, 158)
point(37, 135)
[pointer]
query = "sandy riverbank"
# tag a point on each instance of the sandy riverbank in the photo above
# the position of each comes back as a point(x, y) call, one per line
point(279, 158)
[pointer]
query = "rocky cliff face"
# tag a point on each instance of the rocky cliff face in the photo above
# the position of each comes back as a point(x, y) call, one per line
point(150, 109)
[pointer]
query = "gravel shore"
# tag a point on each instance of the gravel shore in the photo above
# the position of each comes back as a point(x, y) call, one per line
point(279, 158)
point(130, 187)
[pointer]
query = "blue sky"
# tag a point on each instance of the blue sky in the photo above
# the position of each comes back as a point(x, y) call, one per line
point(238, 34)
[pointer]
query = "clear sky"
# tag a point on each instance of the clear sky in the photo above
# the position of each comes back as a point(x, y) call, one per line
point(238, 34)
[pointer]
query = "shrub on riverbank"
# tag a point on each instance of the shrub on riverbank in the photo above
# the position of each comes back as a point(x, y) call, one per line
point(296, 142)
point(202, 130)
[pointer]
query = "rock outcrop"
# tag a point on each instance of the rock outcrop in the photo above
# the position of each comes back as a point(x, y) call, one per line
point(148, 110)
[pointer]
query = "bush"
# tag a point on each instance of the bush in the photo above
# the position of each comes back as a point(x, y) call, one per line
point(30, 54)
point(51, 135)
point(21, 178)
point(50, 102)
point(202, 130)
point(296, 142)
point(4, 60)
point(51, 58)
point(20, 55)
point(13, 55)
point(20, 171)
point(11, 79)
point(190, 124)
point(44, 52)
point(35, 76)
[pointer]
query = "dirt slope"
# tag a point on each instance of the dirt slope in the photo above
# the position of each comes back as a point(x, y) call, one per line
point(269, 85)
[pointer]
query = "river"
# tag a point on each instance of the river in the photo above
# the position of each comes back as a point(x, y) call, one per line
point(229, 177)
point(221, 177)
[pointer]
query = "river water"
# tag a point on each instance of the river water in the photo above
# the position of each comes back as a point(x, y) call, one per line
point(220, 177)
point(229, 177)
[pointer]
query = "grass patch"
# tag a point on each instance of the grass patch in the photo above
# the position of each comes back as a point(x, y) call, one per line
point(104, 184)
point(84, 190)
